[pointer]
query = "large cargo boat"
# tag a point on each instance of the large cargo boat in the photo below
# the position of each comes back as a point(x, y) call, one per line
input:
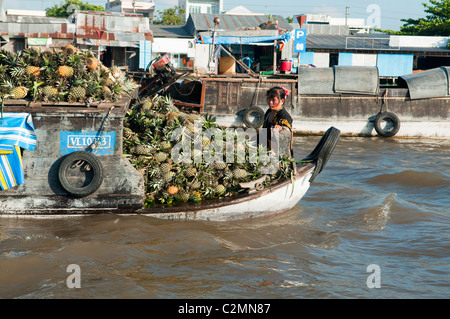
point(349, 98)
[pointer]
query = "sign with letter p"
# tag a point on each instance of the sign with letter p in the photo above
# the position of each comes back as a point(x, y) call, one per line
point(300, 40)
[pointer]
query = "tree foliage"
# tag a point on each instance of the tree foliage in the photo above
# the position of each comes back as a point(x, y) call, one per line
point(171, 16)
point(436, 23)
point(67, 8)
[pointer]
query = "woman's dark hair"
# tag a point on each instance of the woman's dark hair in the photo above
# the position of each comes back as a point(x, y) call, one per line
point(277, 92)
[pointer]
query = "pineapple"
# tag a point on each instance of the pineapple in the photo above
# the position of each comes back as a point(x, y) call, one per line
point(106, 92)
point(19, 92)
point(184, 197)
point(219, 165)
point(161, 157)
point(172, 190)
point(191, 171)
point(190, 127)
point(239, 173)
point(205, 141)
point(219, 189)
point(166, 145)
point(65, 71)
point(173, 115)
point(127, 133)
point(165, 168)
point(91, 63)
point(78, 92)
point(70, 49)
point(142, 149)
point(195, 185)
point(228, 174)
point(108, 82)
point(33, 70)
point(144, 160)
point(167, 177)
point(146, 106)
point(193, 117)
point(116, 72)
point(49, 91)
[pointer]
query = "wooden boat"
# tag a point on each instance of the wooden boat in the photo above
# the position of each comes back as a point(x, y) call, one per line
point(350, 98)
point(280, 196)
point(88, 140)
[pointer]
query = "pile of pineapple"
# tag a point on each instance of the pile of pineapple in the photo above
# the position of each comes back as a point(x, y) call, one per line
point(65, 75)
point(148, 142)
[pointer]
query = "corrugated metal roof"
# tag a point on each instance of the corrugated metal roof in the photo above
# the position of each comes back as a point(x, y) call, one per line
point(169, 31)
point(374, 42)
point(112, 29)
point(35, 19)
point(91, 28)
point(205, 22)
point(37, 27)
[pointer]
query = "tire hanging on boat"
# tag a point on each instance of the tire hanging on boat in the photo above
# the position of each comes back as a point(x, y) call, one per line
point(387, 116)
point(323, 151)
point(86, 162)
point(246, 117)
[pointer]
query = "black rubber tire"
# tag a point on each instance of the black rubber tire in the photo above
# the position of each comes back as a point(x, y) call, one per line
point(95, 165)
point(252, 110)
point(323, 150)
point(389, 116)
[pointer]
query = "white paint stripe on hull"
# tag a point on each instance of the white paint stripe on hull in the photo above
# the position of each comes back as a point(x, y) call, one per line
point(354, 127)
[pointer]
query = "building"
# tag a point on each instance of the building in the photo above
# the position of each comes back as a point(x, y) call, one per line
point(320, 22)
point(331, 43)
point(251, 38)
point(241, 10)
point(22, 29)
point(248, 37)
point(175, 41)
point(200, 6)
point(115, 37)
point(146, 8)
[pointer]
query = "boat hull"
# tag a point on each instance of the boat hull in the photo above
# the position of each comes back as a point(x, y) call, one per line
point(269, 201)
point(56, 127)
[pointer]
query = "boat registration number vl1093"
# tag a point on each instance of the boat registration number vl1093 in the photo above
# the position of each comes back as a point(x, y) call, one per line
point(81, 141)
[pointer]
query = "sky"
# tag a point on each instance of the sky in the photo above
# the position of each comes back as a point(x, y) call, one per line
point(385, 14)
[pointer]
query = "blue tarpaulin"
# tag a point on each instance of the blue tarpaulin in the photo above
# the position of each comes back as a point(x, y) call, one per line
point(222, 39)
point(16, 131)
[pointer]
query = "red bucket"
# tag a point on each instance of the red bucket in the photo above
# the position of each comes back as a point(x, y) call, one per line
point(285, 65)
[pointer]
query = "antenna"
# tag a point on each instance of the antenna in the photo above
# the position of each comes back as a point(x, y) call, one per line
point(346, 14)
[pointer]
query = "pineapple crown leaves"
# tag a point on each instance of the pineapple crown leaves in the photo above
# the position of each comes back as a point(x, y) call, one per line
point(31, 56)
point(35, 91)
point(76, 61)
point(8, 82)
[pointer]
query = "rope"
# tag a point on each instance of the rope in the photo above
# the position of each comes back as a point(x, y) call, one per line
point(95, 144)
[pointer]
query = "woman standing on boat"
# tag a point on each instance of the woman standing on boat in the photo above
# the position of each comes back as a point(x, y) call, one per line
point(276, 118)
